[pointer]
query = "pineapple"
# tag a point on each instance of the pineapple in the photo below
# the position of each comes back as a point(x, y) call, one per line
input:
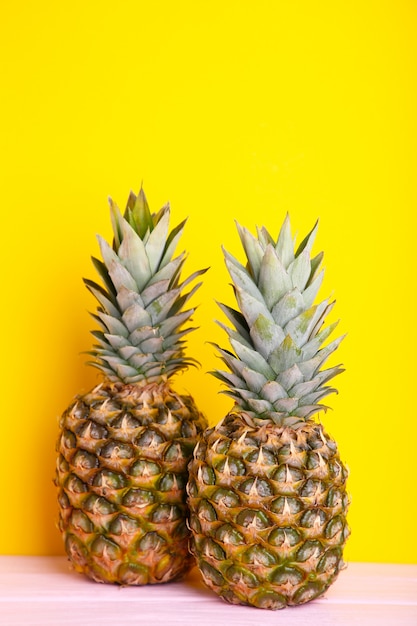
point(267, 488)
point(124, 446)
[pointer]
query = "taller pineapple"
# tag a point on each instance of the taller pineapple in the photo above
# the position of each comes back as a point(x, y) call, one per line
point(267, 488)
point(124, 446)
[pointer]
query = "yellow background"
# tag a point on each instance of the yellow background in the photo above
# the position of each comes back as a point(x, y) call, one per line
point(230, 110)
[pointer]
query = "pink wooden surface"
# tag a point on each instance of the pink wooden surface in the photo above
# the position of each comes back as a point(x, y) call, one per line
point(43, 591)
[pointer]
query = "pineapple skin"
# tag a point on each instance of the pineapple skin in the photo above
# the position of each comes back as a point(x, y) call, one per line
point(268, 510)
point(123, 451)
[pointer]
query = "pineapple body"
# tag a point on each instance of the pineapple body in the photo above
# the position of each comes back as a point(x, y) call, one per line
point(267, 488)
point(122, 471)
point(267, 510)
point(123, 447)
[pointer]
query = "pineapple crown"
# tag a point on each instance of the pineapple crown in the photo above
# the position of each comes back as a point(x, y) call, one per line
point(278, 335)
point(141, 302)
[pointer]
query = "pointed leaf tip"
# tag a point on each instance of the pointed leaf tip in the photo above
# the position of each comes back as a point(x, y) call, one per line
point(138, 214)
point(307, 242)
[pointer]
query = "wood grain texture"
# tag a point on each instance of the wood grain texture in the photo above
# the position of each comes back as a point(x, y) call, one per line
point(43, 591)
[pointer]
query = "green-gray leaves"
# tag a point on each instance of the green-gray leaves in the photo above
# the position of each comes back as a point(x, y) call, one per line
point(279, 334)
point(141, 310)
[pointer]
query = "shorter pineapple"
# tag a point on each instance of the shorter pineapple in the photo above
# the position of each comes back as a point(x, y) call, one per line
point(124, 446)
point(267, 488)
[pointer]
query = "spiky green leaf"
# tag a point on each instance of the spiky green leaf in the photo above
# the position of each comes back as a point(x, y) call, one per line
point(274, 280)
point(159, 308)
point(116, 221)
point(241, 277)
point(255, 380)
point(126, 352)
point(237, 319)
point(284, 245)
point(132, 254)
point(233, 334)
point(116, 341)
point(307, 242)
point(306, 325)
point(315, 266)
point(266, 335)
point(290, 306)
point(300, 269)
point(273, 391)
point(102, 297)
point(128, 297)
point(156, 242)
point(153, 291)
point(259, 406)
point(253, 249)
point(286, 405)
point(135, 317)
point(171, 244)
point(167, 327)
point(309, 367)
point(251, 307)
point(310, 293)
point(290, 377)
point(284, 356)
point(253, 360)
point(140, 213)
point(264, 237)
point(104, 275)
point(312, 347)
point(118, 273)
point(314, 398)
point(113, 325)
point(230, 379)
point(170, 271)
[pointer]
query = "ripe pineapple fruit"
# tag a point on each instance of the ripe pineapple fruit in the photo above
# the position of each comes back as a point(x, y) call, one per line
point(267, 488)
point(124, 446)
